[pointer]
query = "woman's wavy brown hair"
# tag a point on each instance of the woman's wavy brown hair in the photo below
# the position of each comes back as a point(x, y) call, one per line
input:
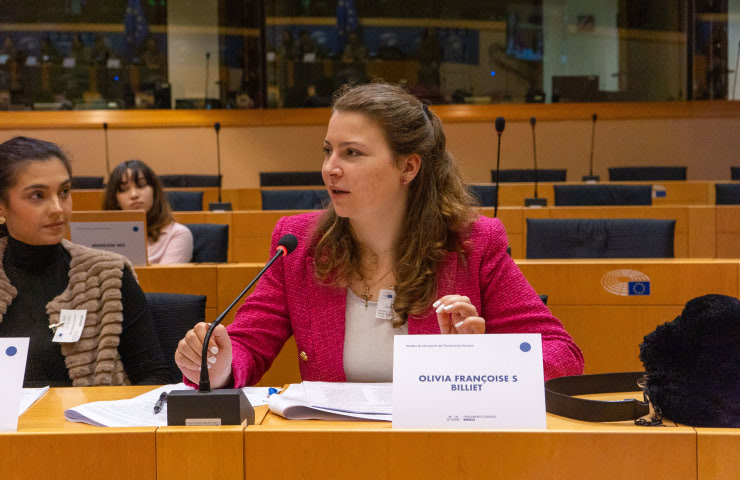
point(160, 215)
point(440, 207)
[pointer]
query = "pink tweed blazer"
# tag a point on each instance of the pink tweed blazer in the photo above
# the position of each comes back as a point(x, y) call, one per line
point(288, 300)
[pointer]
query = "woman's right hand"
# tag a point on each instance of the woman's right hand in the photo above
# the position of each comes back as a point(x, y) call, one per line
point(190, 349)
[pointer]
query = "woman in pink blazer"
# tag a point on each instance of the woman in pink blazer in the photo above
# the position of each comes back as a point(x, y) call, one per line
point(400, 250)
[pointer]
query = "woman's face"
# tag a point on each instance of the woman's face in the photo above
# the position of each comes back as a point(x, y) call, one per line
point(359, 170)
point(39, 205)
point(134, 193)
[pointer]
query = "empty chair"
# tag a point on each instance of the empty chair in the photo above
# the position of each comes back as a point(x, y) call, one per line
point(294, 199)
point(526, 175)
point(87, 183)
point(186, 181)
point(735, 173)
point(600, 238)
point(571, 195)
point(210, 242)
point(727, 193)
point(184, 201)
point(290, 179)
point(486, 194)
point(173, 315)
point(622, 174)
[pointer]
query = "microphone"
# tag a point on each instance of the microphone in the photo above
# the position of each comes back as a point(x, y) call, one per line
point(107, 160)
point(218, 206)
point(500, 124)
point(591, 178)
point(205, 99)
point(536, 201)
point(228, 406)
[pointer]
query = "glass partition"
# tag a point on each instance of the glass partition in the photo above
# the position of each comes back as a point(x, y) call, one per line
point(140, 54)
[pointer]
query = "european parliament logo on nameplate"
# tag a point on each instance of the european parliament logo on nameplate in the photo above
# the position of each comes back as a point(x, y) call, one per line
point(468, 381)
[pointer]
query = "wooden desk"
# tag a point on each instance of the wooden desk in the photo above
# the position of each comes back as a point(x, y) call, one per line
point(370, 450)
point(196, 279)
point(717, 453)
point(701, 231)
point(48, 446)
point(609, 327)
point(689, 192)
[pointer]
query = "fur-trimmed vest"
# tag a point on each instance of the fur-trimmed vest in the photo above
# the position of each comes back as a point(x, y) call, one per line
point(95, 286)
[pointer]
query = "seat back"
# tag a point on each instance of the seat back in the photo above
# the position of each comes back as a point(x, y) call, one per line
point(184, 180)
point(621, 174)
point(184, 201)
point(294, 199)
point(571, 195)
point(734, 173)
point(210, 242)
point(526, 175)
point(173, 315)
point(486, 194)
point(290, 179)
point(727, 193)
point(600, 238)
point(87, 183)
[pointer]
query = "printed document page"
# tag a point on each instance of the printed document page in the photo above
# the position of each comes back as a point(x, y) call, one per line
point(334, 401)
point(139, 411)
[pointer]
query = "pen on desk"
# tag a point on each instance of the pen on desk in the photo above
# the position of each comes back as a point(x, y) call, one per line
point(272, 390)
point(160, 402)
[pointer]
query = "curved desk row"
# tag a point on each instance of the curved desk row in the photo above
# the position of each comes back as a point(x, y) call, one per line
point(590, 297)
point(47, 446)
point(701, 231)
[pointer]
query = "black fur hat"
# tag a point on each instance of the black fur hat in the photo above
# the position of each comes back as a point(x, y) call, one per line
point(693, 363)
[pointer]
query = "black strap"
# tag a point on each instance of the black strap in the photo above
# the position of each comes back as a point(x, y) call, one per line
point(560, 401)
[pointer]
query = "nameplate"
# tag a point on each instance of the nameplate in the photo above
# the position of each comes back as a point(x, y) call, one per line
point(125, 238)
point(468, 381)
point(13, 353)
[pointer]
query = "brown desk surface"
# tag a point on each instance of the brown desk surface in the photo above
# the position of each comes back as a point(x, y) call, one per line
point(47, 446)
point(566, 449)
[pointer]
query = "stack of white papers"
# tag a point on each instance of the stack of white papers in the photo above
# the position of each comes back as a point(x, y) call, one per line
point(335, 401)
point(139, 411)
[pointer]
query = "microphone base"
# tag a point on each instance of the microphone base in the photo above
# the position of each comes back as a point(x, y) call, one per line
point(591, 178)
point(535, 202)
point(214, 408)
point(219, 206)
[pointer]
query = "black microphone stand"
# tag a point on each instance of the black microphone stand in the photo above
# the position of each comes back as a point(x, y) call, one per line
point(107, 159)
point(206, 105)
point(591, 178)
point(500, 123)
point(218, 206)
point(228, 406)
point(536, 201)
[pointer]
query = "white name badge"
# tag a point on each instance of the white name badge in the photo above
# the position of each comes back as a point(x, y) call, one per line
point(13, 353)
point(468, 381)
point(70, 326)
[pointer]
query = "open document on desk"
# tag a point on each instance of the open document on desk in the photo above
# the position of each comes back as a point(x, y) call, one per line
point(334, 401)
point(138, 411)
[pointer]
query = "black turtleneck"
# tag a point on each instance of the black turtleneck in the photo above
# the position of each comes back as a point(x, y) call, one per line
point(40, 273)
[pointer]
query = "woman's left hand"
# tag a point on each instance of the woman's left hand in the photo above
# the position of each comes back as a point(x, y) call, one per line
point(456, 314)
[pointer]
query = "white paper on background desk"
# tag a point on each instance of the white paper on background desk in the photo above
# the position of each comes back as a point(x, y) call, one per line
point(334, 401)
point(468, 381)
point(139, 411)
point(29, 397)
point(13, 354)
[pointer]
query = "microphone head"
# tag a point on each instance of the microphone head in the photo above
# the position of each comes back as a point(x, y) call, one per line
point(594, 117)
point(287, 243)
point(208, 55)
point(217, 126)
point(532, 121)
point(500, 124)
point(105, 125)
